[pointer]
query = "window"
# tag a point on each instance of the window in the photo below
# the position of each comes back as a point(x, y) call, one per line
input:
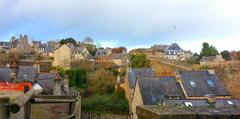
point(210, 83)
point(230, 102)
point(154, 99)
point(188, 104)
point(193, 84)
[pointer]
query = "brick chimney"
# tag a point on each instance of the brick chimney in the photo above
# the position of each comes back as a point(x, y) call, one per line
point(57, 85)
point(66, 81)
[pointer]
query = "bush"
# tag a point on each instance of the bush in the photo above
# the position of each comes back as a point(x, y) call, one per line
point(77, 78)
point(106, 103)
point(102, 81)
point(139, 60)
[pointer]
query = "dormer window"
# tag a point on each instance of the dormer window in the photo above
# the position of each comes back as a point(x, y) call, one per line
point(192, 83)
point(210, 83)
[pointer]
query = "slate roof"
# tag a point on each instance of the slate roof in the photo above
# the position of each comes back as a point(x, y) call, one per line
point(42, 45)
point(137, 73)
point(202, 87)
point(3, 43)
point(25, 73)
point(5, 74)
point(28, 73)
point(47, 85)
point(160, 47)
point(46, 76)
point(101, 52)
point(49, 49)
point(155, 89)
point(174, 47)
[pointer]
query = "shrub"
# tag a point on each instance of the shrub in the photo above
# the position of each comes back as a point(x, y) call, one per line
point(77, 78)
point(106, 103)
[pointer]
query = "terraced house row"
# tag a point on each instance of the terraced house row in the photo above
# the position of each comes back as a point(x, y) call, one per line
point(187, 88)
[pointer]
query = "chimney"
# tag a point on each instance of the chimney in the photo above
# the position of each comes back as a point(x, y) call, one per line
point(14, 72)
point(211, 99)
point(66, 81)
point(37, 66)
point(57, 85)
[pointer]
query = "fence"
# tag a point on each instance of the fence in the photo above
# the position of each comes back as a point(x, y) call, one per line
point(23, 103)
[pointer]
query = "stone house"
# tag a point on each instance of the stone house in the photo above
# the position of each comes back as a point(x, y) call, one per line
point(4, 46)
point(132, 76)
point(211, 60)
point(201, 84)
point(21, 44)
point(173, 52)
point(117, 56)
point(49, 48)
point(66, 53)
point(31, 74)
point(154, 91)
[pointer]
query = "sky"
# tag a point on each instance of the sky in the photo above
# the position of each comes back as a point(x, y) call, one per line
point(129, 23)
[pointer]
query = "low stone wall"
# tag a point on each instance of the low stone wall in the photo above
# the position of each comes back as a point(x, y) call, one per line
point(50, 111)
point(165, 112)
point(90, 115)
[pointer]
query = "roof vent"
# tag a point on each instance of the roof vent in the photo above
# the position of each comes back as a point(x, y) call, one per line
point(211, 99)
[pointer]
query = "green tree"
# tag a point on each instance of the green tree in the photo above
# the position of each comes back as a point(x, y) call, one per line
point(208, 50)
point(60, 71)
point(91, 48)
point(77, 78)
point(225, 54)
point(139, 60)
point(194, 59)
point(68, 40)
point(238, 55)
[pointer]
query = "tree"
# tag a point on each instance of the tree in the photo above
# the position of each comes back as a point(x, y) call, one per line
point(102, 82)
point(14, 56)
point(77, 78)
point(225, 54)
point(68, 40)
point(238, 55)
point(139, 60)
point(91, 49)
point(208, 50)
point(194, 59)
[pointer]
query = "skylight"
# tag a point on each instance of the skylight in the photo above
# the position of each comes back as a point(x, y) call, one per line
point(193, 84)
point(230, 102)
point(154, 99)
point(188, 104)
point(210, 83)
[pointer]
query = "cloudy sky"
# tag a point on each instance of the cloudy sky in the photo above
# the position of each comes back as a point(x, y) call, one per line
point(130, 23)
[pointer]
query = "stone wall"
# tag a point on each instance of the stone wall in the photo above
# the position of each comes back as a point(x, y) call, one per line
point(50, 111)
point(164, 112)
point(89, 115)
